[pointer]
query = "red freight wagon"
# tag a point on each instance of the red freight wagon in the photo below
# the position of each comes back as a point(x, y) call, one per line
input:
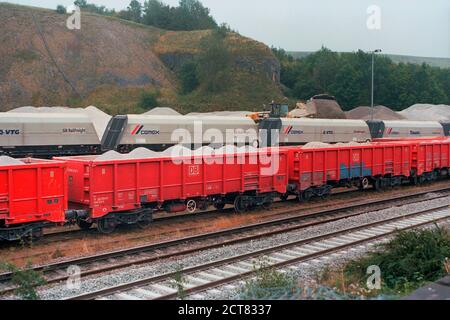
point(32, 194)
point(430, 159)
point(315, 171)
point(128, 191)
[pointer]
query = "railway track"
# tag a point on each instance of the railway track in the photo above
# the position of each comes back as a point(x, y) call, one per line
point(148, 253)
point(214, 274)
point(55, 237)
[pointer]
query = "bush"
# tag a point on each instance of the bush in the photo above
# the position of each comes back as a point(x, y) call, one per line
point(214, 67)
point(148, 100)
point(61, 9)
point(188, 76)
point(407, 262)
point(26, 280)
point(268, 280)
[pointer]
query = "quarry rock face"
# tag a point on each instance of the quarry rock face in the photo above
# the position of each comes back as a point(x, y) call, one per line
point(42, 62)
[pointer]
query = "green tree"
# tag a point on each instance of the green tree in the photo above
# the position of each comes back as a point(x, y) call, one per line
point(135, 11)
point(148, 100)
point(61, 9)
point(188, 76)
point(157, 14)
point(192, 15)
point(347, 76)
point(81, 3)
point(214, 64)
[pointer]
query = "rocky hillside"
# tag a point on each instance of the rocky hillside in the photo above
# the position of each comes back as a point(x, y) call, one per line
point(110, 63)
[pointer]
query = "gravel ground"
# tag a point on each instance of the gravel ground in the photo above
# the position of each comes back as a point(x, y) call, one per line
point(97, 282)
point(305, 273)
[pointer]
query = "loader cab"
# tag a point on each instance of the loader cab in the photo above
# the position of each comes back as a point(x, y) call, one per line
point(269, 128)
point(278, 110)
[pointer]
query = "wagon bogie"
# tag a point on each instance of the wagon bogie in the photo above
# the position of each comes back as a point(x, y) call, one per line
point(108, 223)
point(25, 232)
point(243, 203)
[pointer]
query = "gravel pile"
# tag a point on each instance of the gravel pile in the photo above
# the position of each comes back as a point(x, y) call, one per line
point(380, 113)
point(160, 111)
point(324, 109)
point(318, 145)
point(142, 153)
point(8, 161)
point(427, 112)
point(220, 114)
point(138, 272)
point(111, 155)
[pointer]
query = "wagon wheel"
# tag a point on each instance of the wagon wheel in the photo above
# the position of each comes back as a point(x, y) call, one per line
point(84, 225)
point(144, 223)
point(306, 195)
point(35, 235)
point(239, 206)
point(377, 184)
point(284, 197)
point(219, 206)
point(268, 204)
point(106, 225)
point(191, 206)
point(325, 195)
point(364, 184)
point(414, 181)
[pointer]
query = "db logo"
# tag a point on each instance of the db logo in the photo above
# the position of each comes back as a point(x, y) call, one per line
point(194, 170)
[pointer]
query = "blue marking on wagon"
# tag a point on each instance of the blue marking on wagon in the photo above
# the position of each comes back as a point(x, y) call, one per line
point(357, 170)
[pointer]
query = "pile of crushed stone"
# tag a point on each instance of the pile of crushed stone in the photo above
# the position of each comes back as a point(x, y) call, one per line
point(427, 112)
point(220, 114)
point(8, 161)
point(318, 145)
point(324, 108)
point(174, 151)
point(380, 113)
point(162, 111)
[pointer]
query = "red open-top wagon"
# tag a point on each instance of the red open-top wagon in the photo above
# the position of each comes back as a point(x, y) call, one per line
point(33, 193)
point(315, 171)
point(129, 190)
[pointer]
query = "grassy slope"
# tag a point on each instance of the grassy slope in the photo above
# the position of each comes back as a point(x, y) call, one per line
point(249, 88)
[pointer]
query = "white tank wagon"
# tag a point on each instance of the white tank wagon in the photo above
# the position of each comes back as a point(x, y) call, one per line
point(127, 132)
point(300, 131)
point(47, 135)
point(405, 129)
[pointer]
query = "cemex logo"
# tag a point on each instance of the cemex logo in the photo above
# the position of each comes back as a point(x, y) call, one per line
point(139, 130)
point(289, 130)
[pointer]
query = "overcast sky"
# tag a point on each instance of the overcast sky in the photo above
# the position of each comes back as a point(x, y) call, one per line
point(409, 27)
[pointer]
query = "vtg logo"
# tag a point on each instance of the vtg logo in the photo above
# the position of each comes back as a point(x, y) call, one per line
point(9, 132)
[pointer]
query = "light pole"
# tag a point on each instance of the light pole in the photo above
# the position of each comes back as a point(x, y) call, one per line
point(373, 76)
